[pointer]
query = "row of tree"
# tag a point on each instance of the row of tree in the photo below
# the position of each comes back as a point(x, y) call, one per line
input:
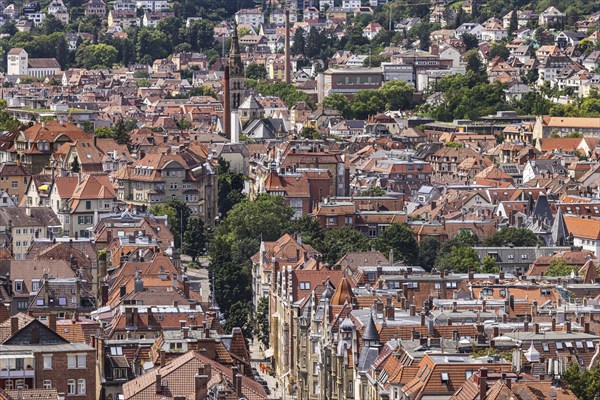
point(392, 95)
point(238, 238)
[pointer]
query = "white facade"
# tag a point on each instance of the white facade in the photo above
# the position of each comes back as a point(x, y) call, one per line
point(17, 63)
point(351, 4)
point(152, 5)
point(253, 17)
point(402, 72)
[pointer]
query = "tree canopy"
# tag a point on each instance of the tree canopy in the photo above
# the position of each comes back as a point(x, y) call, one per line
point(400, 239)
point(517, 237)
point(339, 241)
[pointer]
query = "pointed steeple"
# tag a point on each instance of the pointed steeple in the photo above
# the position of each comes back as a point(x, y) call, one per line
point(559, 229)
point(236, 68)
point(370, 336)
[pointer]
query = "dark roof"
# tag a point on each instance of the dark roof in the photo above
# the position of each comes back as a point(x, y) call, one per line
point(40, 216)
point(370, 332)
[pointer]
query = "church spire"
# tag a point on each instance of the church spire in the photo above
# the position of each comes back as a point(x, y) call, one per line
point(236, 68)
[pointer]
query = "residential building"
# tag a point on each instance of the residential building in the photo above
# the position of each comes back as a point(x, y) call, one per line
point(14, 179)
point(23, 225)
point(34, 146)
point(552, 17)
point(37, 357)
point(78, 212)
point(95, 7)
point(250, 16)
point(164, 175)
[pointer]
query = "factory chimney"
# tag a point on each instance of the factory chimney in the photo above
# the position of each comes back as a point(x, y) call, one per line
point(287, 68)
point(226, 103)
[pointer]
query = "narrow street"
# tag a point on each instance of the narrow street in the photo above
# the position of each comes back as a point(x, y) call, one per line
point(256, 357)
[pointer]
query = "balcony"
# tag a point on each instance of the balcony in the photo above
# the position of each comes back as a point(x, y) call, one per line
point(17, 366)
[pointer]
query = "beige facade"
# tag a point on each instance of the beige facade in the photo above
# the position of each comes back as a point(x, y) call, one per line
point(158, 178)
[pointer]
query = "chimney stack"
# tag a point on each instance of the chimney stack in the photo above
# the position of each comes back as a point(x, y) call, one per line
point(52, 322)
point(158, 383)
point(226, 103)
point(200, 385)
point(14, 324)
point(287, 68)
point(482, 382)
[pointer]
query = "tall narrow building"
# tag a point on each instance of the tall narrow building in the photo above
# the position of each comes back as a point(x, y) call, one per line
point(236, 72)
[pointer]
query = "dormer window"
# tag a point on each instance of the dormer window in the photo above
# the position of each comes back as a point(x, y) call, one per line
point(19, 286)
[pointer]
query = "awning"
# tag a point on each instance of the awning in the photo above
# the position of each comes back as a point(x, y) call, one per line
point(269, 352)
point(43, 187)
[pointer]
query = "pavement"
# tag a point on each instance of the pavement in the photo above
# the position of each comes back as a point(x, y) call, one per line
point(256, 358)
point(199, 281)
point(198, 277)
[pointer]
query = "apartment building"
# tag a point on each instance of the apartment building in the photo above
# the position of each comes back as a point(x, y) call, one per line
point(24, 225)
point(165, 175)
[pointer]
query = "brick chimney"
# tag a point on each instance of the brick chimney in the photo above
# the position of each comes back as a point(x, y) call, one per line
point(52, 322)
point(201, 385)
point(158, 383)
point(226, 102)
point(482, 382)
point(14, 324)
point(287, 67)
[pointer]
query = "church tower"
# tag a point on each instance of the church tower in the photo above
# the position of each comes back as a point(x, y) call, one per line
point(236, 71)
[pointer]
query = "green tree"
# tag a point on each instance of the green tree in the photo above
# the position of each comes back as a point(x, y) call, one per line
point(309, 229)
point(170, 27)
point(308, 132)
point(489, 265)
point(104, 132)
point(194, 238)
point(256, 71)
point(151, 44)
point(574, 135)
point(237, 238)
point(267, 216)
point(7, 121)
point(584, 384)
point(339, 241)
point(459, 259)
point(299, 43)
point(200, 35)
point(367, 102)
point(474, 62)
point(470, 40)
point(262, 321)
point(238, 318)
point(231, 185)
point(518, 237)
point(428, 251)
point(75, 166)
point(513, 23)
point(96, 56)
point(373, 191)
point(340, 103)
point(121, 131)
point(178, 214)
point(499, 50)
point(286, 92)
point(314, 43)
point(51, 25)
point(400, 239)
point(586, 46)
point(559, 267)
point(373, 60)
point(398, 95)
